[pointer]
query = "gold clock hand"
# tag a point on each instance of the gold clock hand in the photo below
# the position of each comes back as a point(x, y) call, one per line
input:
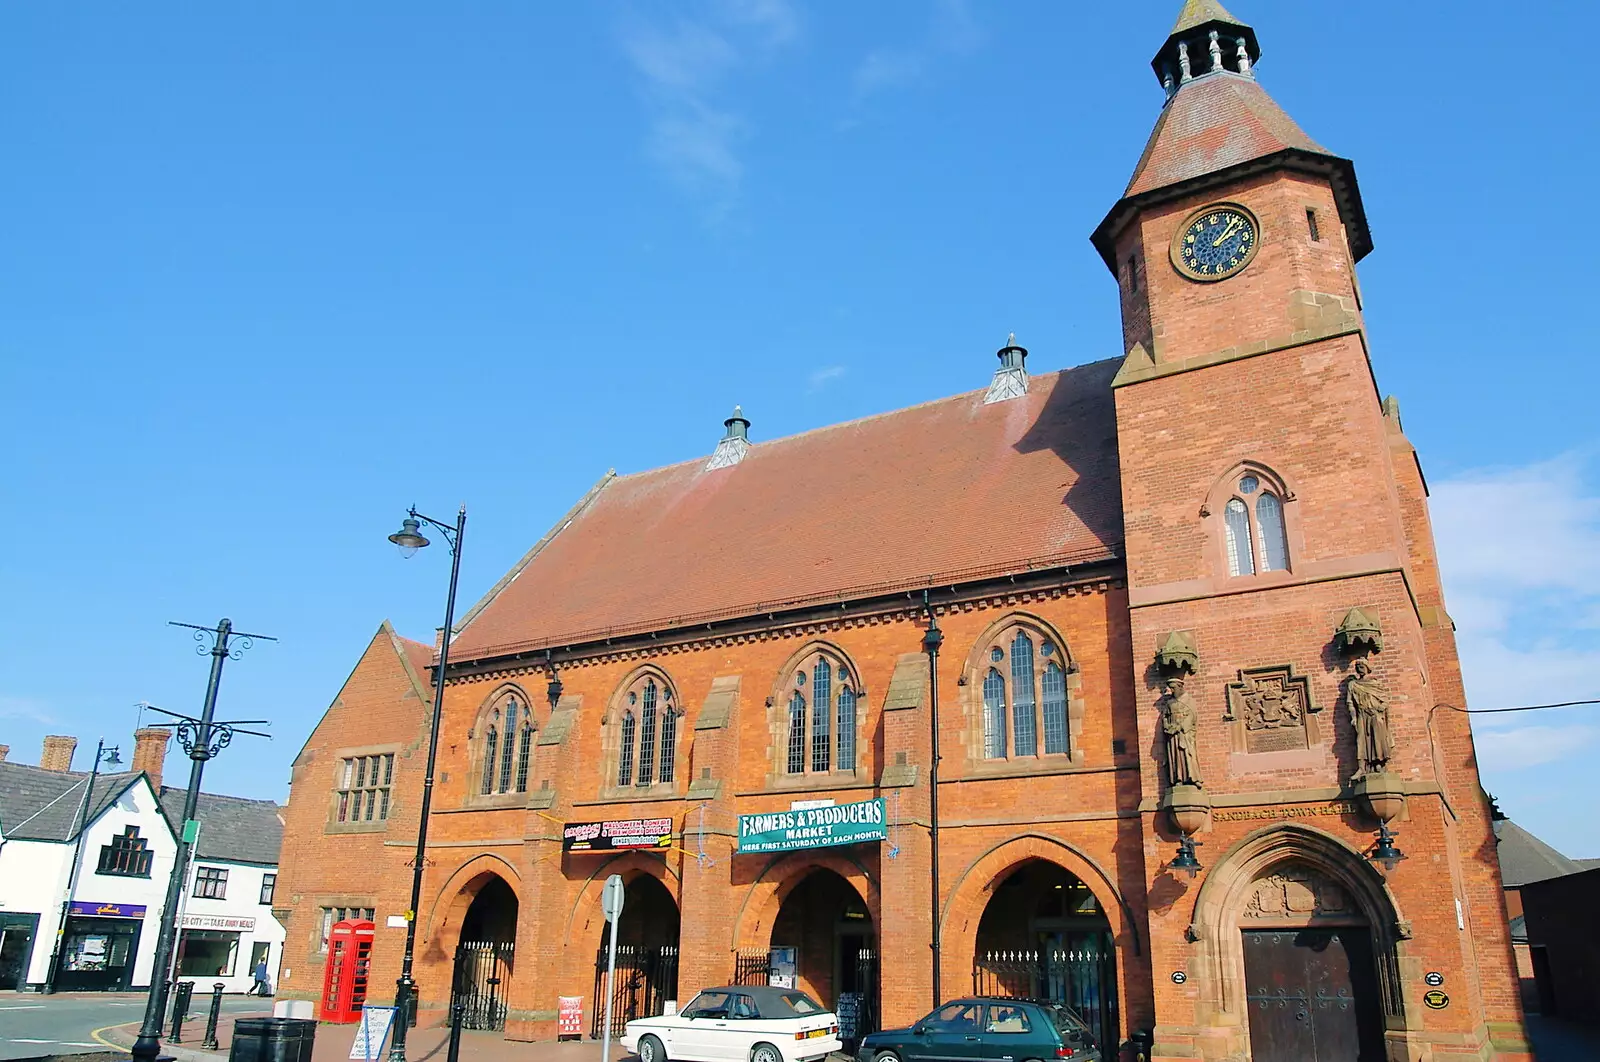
point(1233, 223)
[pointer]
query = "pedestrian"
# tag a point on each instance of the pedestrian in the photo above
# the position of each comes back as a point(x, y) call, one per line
point(262, 988)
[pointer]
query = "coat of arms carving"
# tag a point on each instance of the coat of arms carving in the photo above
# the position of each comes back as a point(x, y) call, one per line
point(1296, 893)
point(1271, 710)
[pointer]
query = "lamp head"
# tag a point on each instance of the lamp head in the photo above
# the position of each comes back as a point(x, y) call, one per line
point(1386, 852)
point(112, 759)
point(409, 538)
point(1185, 859)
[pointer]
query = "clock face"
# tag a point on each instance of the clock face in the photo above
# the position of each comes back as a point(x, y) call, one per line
point(1216, 243)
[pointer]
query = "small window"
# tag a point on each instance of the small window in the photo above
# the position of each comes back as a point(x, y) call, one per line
point(1274, 539)
point(1311, 223)
point(364, 782)
point(625, 754)
point(1007, 1019)
point(1241, 548)
point(1254, 534)
point(127, 856)
point(211, 883)
point(331, 915)
point(1133, 273)
point(269, 885)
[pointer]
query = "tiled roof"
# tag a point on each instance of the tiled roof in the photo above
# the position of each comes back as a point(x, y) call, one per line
point(41, 805)
point(1214, 122)
point(1525, 858)
point(945, 490)
point(231, 828)
point(1199, 12)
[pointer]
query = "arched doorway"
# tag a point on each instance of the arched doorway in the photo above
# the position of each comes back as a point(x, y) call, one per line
point(481, 979)
point(824, 944)
point(647, 956)
point(1043, 935)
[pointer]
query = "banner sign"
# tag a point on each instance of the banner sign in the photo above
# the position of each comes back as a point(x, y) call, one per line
point(787, 831)
point(84, 909)
point(569, 1016)
point(616, 834)
point(229, 922)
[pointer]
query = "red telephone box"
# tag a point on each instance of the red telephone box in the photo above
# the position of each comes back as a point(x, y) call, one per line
point(344, 982)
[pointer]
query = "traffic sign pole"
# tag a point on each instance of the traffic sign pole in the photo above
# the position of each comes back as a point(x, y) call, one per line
point(611, 904)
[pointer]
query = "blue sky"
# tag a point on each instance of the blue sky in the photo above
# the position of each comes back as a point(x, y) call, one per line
point(274, 272)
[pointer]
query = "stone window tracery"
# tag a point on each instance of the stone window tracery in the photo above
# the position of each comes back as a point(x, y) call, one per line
point(820, 715)
point(506, 744)
point(647, 741)
point(1255, 537)
point(1024, 695)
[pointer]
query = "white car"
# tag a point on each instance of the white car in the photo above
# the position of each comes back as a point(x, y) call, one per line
point(738, 1023)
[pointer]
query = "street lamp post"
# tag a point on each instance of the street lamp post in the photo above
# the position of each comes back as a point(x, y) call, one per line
point(202, 739)
point(932, 639)
point(410, 539)
point(110, 759)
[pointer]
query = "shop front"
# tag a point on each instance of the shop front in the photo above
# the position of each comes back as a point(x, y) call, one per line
point(17, 935)
point(210, 946)
point(99, 946)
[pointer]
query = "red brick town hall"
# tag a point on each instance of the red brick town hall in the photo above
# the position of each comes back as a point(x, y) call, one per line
point(1089, 688)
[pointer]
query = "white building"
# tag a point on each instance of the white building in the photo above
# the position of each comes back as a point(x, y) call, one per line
point(104, 887)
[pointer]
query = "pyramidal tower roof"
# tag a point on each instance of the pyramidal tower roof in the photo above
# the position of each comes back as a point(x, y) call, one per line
point(1218, 124)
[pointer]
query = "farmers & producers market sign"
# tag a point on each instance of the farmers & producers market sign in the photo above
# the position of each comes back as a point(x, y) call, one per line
point(787, 831)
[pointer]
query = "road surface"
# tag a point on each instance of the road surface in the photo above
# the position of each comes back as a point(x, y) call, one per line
point(33, 1025)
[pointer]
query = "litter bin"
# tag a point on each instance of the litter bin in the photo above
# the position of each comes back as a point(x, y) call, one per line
point(272, 1040)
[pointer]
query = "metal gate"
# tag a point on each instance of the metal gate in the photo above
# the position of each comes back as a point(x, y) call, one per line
point(478, 988)
point(1084, 976)
point(646, 979)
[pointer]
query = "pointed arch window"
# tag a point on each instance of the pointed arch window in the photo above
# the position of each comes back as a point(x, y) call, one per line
point(647, 742)
point(507, 750)
point(1254, 534)
point(1024, 691)
point(822, 716)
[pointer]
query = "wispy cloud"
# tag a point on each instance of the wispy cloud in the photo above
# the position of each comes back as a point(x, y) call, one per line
point(824, 376)
point(25, 710)
point(951, 31)
point(1519, 549)
point(687, 63)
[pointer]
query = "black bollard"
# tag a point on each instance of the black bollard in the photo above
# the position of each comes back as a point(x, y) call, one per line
point(210, 1042)
point(180, 1009)
point(454, 1052)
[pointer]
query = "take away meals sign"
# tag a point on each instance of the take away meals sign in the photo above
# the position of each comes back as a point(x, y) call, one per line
point(787, 831)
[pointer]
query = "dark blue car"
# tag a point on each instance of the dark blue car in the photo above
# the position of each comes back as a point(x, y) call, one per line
point(983, 1027)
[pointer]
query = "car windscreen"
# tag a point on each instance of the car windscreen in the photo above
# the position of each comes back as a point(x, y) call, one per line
point(707, 1004)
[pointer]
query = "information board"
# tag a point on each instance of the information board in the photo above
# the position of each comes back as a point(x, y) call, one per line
point(373, 1030)
point(787, 831)
point(616, 834)
point(569, 1016)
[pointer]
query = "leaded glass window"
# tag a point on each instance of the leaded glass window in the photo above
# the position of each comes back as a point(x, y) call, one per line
point(647, 734)
point(994, 715)
point(507, 753)
point(669, 743)
point(625, 754)
point(847, 729)
point(821, 705)
point(1241, 547)
point(1024, 737)
point(524, 751)
point(1055, 709)
point(490, 744)
point(1274, 540)
point(797, 733)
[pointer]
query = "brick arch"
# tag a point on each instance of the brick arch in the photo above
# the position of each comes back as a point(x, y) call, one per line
point(456, 893)
point(975, 662)
point(975, 886)
point(1217, 971)
point(630, 865)
point(752, 927)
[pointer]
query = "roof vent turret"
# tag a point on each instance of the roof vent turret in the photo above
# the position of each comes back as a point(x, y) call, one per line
point(1011, 378)
point(734, 444)
point(1206, 40)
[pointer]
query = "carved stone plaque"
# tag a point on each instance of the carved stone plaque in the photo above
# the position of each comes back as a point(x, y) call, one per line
point(1298, 893)
point(1271, 710)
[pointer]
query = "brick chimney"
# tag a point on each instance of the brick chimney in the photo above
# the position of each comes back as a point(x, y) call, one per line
point(57, 755)
point(150, 752)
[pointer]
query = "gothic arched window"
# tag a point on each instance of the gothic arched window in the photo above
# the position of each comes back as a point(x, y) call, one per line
point(508, 734)
point(1254, 534)
point(821, 716)
point(646, 753)
point(1024, 693)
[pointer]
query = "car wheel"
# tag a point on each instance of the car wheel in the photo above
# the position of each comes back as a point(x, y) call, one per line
point(650, 1050)
point(765, 1053)
point(887, 1056)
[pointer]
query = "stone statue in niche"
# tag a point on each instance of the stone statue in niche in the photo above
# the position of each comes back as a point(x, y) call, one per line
point(1369, 712)
point(1180, 722)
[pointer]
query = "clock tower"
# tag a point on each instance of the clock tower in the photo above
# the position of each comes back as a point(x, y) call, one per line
point(1293, 657)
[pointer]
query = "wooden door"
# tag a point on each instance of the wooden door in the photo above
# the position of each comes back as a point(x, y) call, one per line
point(1312, 996)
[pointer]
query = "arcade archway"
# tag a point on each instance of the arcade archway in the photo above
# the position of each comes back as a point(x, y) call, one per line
point(484, 960)
point(647, 955)
point(1044, 935)
point(823, 942)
